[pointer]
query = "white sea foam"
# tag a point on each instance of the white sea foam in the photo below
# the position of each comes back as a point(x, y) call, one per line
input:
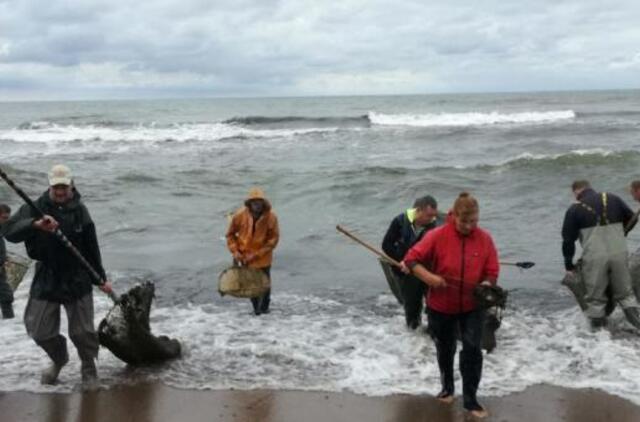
point(323, 344)
point(469, 119)
point(47, 132)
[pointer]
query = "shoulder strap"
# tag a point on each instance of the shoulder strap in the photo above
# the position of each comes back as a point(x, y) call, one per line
point(602, 218)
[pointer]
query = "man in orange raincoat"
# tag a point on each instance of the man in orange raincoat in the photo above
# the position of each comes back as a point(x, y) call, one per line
point(251, 238)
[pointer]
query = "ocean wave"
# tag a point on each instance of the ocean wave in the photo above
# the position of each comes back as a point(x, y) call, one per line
point(49, 132)
point(55, 123)
point(609, 113)
point(469, 119)
point(525, 160)
point(284, 120)
point(594, 156)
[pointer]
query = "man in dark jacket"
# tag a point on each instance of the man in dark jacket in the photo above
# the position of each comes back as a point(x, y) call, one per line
point(404, 231)
point(60, 278)
point(6, 292)
point(598, 221)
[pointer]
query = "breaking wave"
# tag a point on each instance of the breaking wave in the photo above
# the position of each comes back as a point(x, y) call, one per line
point(469, 119)
point(362, 121)
point(49, 132)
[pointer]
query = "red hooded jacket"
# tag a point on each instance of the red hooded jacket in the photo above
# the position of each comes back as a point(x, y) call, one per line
point(463, 261)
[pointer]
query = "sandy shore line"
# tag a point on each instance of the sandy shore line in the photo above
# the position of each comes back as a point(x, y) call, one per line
point(157, 402)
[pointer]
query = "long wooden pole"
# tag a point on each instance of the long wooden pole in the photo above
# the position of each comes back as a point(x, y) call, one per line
point(368, 246)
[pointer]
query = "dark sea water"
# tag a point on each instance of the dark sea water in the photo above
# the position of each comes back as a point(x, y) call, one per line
point(159, 178)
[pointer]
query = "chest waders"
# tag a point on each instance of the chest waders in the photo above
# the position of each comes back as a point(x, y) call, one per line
point(605, 263)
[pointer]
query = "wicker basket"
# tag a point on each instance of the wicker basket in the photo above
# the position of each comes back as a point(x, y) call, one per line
point(16, 267)
point(243, 282)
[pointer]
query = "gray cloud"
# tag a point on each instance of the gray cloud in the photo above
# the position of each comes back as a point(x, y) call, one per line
point(289, 47)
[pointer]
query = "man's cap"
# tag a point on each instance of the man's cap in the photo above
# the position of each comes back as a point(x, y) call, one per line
point(60, 175)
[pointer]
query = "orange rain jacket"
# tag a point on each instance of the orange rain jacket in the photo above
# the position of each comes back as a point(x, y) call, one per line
point(259, 237)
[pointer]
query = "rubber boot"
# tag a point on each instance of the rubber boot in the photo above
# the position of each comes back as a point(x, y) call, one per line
point(50, 375)
point(598, 323)
point(56, 348)
point(7, 310)
point(633, 316)
point(89, 372)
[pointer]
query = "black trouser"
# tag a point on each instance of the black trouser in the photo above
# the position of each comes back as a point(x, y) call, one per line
point(6, 292)
point(413, 294)
point(443, 329)
point(261, 304)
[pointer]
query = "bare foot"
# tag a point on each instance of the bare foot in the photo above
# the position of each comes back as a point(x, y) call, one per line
point(445, 398)
point(480, 414)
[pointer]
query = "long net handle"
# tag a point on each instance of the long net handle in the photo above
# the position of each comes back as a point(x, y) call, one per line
point(58, 233)
point(381, 254)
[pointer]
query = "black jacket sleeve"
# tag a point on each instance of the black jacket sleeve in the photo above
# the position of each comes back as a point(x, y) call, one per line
point(570, 233)
point(627, 214)
point(394, 233)
point(631, 224)
point(19, 227)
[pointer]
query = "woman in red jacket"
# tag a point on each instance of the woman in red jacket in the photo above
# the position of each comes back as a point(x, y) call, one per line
point(452, 260)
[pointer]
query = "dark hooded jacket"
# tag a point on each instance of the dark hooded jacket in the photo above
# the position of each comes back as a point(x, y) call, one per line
point(59, 275)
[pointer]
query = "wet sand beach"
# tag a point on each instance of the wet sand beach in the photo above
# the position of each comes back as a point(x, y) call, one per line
point(159, 403)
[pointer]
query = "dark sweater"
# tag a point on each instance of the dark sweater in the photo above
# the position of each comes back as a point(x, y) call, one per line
point(579, 217)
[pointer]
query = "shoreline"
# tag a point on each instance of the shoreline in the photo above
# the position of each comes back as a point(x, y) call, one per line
point(158, 402)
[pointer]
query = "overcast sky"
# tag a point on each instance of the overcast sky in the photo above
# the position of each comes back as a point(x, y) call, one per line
point(75, 49)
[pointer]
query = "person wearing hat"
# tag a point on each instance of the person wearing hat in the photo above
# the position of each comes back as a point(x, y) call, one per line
point(6, 292)
point(251, 238)
point(60, 278)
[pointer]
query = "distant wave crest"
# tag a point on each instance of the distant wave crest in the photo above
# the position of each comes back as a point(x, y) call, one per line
point(469, 119)
point(285, 120)
point(594, 156)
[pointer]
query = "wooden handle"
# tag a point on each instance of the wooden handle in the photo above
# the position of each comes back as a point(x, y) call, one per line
point(368, 246)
